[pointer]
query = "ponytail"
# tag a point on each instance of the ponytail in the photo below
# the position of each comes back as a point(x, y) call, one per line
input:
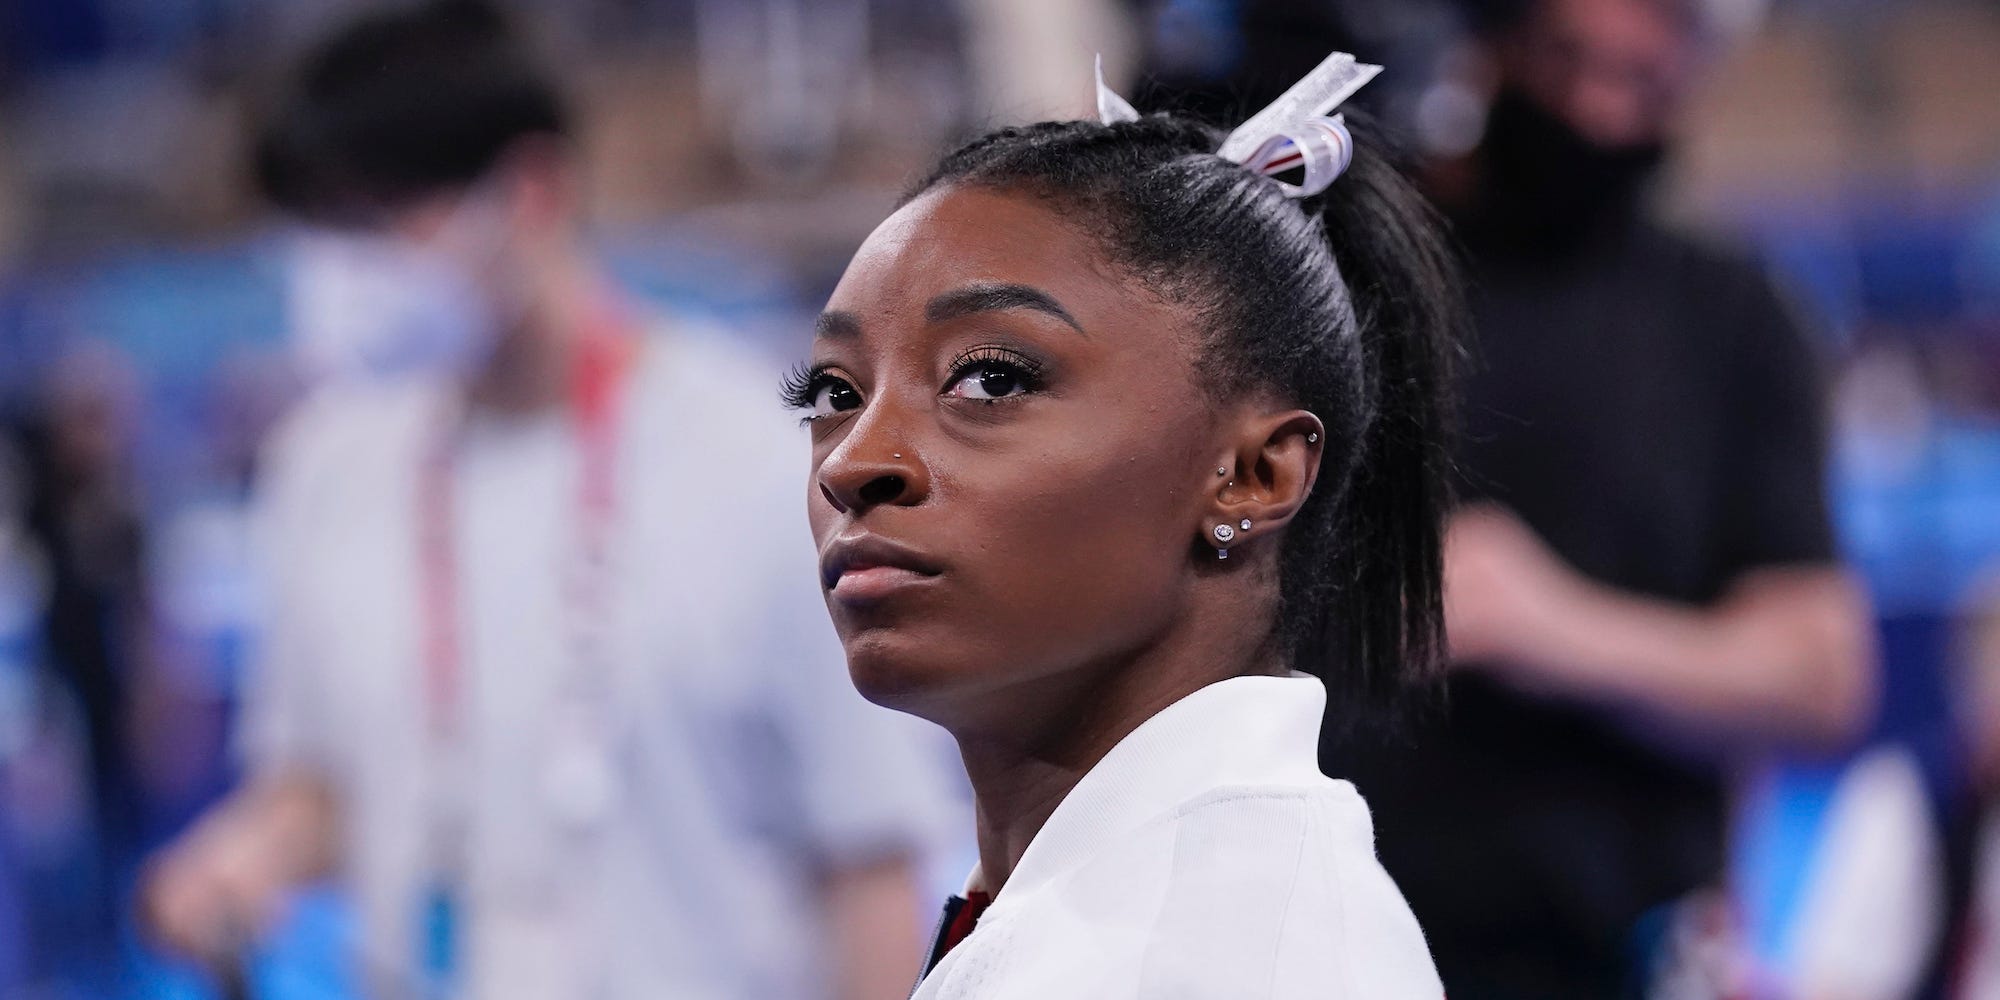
point(1387, 621)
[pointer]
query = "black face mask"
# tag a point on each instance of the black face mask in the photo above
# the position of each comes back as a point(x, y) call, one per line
point(1544, 187)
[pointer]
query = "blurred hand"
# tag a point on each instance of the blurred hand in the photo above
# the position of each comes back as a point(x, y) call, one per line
point(210, 894)
point(1784, 657)
point(1810, 632)
point(1761, 613)
point(1506, 593)
point(874, 928)
point(214, 891)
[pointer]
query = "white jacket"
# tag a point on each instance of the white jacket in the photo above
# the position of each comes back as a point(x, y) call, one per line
point(1204, 858)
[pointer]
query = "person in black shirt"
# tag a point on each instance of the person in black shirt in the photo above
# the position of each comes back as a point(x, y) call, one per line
point(1641, 584)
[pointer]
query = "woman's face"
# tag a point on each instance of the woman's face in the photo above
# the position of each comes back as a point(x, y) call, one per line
point(1012, 459)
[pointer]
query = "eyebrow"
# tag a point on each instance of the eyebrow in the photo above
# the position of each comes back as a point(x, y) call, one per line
point(838, 325)
point(967, 301)
point(988, 297)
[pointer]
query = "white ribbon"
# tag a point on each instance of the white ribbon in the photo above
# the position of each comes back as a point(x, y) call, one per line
point(1112, 109)
point(1294, 131)
point(1323, 146)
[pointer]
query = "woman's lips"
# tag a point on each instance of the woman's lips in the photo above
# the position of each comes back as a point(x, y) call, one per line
point(861, 569)
point(868, 584)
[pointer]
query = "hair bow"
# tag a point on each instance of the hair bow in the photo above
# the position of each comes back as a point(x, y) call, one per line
point(1294, 131)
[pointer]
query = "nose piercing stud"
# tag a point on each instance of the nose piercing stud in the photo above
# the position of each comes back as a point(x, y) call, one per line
point(899, 454)
point(1220, 471)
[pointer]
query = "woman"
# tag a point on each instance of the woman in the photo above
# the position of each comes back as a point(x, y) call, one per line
point(1113, 437)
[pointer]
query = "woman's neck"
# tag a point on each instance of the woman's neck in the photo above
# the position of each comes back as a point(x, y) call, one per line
point(1020, 774)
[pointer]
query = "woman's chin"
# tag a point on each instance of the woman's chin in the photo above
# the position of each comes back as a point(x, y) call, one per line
point(897, 671)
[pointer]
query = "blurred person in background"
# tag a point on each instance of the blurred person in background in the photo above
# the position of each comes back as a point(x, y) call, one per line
point(84, 528)
point(83, 514)
point(546, 682)
point(18, 602)
point(1979, 974)
point(203, 576)
point(1961, 393)
point(1641, 587)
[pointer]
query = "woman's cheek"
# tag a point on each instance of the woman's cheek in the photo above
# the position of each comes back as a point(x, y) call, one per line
point(1086, 540)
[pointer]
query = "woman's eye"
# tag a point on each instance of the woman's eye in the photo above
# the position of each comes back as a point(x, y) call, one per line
point(989, 380)
point(834, 396)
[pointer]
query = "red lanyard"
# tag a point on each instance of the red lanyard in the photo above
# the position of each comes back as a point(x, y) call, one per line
point(604, 354)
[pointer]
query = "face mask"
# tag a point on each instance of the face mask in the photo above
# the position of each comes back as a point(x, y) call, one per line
point(1547, 186)
point(368, 305)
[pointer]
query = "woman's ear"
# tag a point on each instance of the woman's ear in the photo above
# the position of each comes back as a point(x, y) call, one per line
point(1268, 476)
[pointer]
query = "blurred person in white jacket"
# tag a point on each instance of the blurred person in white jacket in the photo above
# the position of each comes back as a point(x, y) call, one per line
point(545, 682)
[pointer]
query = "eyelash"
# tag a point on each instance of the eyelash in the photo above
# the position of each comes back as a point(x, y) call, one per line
point(1029, 369)
point(802, 384)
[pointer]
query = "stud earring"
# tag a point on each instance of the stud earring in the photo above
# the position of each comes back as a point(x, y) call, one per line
point(1220, 471)
point(1312, 438)
point(1245, 525)
point(1225, 534)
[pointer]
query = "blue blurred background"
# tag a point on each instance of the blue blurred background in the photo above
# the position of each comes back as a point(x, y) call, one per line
point(739, 149)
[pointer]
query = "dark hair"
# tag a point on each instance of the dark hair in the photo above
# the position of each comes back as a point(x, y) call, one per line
point(401, 105)
point(1360, 575)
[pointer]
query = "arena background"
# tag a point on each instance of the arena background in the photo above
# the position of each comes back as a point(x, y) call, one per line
point(739, 150)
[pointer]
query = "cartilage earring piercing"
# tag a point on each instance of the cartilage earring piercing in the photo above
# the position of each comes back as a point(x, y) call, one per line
point(1312, 438)
point(1245, 525)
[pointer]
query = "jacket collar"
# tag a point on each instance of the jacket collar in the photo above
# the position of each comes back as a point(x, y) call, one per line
point(1255, 731)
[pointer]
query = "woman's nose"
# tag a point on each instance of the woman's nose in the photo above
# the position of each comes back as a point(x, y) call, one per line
point(871, 469)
